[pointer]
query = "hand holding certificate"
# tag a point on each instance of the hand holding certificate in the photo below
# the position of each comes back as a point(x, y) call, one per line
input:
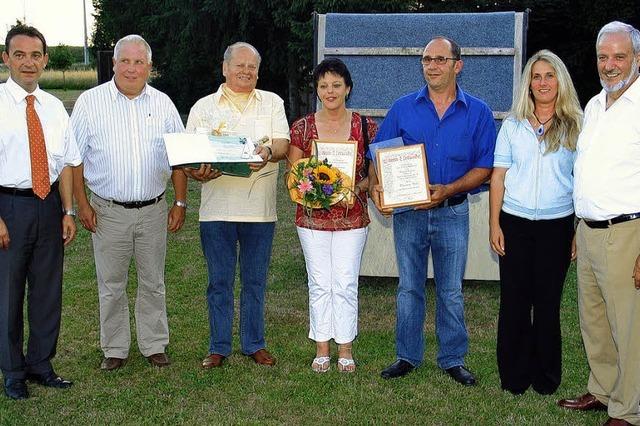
point(402, 172)
point(229, 154)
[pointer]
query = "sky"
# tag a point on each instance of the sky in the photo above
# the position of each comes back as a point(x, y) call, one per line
point(59, 20)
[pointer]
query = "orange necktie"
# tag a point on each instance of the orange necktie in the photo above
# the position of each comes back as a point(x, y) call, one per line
point(38, 150)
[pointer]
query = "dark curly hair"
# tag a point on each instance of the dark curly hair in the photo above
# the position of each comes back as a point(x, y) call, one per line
point(334, 66)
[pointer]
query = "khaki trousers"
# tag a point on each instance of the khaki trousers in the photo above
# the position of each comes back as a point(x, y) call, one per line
point(123, 234)
point(609, 307)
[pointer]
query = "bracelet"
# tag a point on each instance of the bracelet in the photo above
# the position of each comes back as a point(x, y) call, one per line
point(69, 212)
point(270, 153)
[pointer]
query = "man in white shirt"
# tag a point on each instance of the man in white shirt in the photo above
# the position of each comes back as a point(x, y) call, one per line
point(37, 150)
point(239, 210)
point(607, 199)
point(119, 127)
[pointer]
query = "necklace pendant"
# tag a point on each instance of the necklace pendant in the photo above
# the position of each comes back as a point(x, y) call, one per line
point(540, 130)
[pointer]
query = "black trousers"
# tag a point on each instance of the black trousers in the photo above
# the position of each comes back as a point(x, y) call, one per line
point(32, 264)
point(532, 274)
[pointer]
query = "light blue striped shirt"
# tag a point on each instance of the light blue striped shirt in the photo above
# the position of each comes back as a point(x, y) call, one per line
point(120, 140)
point(536, 185)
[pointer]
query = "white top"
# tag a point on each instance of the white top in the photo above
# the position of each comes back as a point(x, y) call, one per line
point(607, 168)
point(121, 143)
point(232, 198)
point(15, 160)
point(537, 185)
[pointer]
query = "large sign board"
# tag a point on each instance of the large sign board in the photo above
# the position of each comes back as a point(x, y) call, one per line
point(383, 54)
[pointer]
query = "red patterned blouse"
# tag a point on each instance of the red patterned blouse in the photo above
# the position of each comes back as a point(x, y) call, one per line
point(303, 132)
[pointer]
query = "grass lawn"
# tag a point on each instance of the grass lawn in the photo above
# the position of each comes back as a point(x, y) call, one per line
point(68, 97)
point(242, 392)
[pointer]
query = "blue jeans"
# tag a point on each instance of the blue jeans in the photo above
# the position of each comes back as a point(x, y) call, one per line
point(220, 242)
point(444, 231)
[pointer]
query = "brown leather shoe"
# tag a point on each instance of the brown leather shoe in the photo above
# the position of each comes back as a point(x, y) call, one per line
point(109, 364)
point(213, 361)
point(159, 360)
point(585, 402)
point(263, 357)
point(616, 422)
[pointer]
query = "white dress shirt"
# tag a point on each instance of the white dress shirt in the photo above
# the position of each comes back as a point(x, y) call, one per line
point(607, 168)
point(15, 160)
point(121, 143)
point(232, 198)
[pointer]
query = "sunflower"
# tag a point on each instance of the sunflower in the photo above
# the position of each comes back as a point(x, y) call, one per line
point(325, 174)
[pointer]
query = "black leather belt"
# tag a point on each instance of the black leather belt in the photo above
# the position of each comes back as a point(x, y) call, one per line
point(138, 204)
point(606, 223)
point(28, 192)
point(453, 201)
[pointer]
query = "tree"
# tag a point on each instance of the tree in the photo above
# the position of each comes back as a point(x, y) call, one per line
point(61, 58)
point(188, 37)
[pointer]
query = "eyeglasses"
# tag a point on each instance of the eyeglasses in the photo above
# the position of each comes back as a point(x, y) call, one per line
point(439, 60)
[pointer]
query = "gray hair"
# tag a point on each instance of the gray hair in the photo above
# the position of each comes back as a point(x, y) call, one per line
point(621, 27)
point(132, 38)
point(228, 53)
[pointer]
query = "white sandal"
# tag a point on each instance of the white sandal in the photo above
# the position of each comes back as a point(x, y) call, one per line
point(344, 364)
point(321, 364)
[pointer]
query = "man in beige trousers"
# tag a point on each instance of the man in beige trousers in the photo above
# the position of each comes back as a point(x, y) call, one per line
point(119, 127)
point(607, 199)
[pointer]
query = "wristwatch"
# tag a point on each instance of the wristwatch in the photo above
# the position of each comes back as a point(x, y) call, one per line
point(180, 203)
point(69, 212)
point(270, 153)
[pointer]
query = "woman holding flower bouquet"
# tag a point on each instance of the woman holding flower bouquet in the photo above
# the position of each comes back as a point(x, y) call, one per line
point(332, 229)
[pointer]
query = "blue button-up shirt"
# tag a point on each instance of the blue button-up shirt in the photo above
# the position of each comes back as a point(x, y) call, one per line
point(462, 140)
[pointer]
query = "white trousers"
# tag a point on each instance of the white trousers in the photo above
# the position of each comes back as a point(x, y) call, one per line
point(333, 264)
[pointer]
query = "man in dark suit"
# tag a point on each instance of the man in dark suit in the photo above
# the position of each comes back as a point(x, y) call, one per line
point(36, 216)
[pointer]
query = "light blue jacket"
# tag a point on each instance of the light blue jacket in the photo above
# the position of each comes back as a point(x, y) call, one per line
point(537, 185)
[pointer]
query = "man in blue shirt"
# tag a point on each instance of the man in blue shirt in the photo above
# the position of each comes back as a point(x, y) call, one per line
point(459, 134)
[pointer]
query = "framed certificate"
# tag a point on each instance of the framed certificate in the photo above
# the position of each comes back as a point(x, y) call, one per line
point(402, 172)
point(341, 155)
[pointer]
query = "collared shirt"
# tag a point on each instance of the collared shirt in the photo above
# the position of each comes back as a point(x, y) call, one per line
point(463, 139)
point(607, 169)
point(121, 142)
point(232, 198)
point(15, 160)
point(537, 185)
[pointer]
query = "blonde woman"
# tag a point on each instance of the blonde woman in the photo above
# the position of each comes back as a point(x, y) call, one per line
point(532, 222)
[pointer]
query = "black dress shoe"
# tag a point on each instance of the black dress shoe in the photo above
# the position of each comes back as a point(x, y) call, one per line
point(15, 388)
point(50, 380)
point(397, 369)
point(461, 375)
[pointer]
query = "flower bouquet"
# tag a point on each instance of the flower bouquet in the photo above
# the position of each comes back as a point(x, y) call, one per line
point(315, 184)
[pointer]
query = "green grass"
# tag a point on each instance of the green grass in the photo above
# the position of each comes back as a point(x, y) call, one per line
point(244, 393)
point(52, 79)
